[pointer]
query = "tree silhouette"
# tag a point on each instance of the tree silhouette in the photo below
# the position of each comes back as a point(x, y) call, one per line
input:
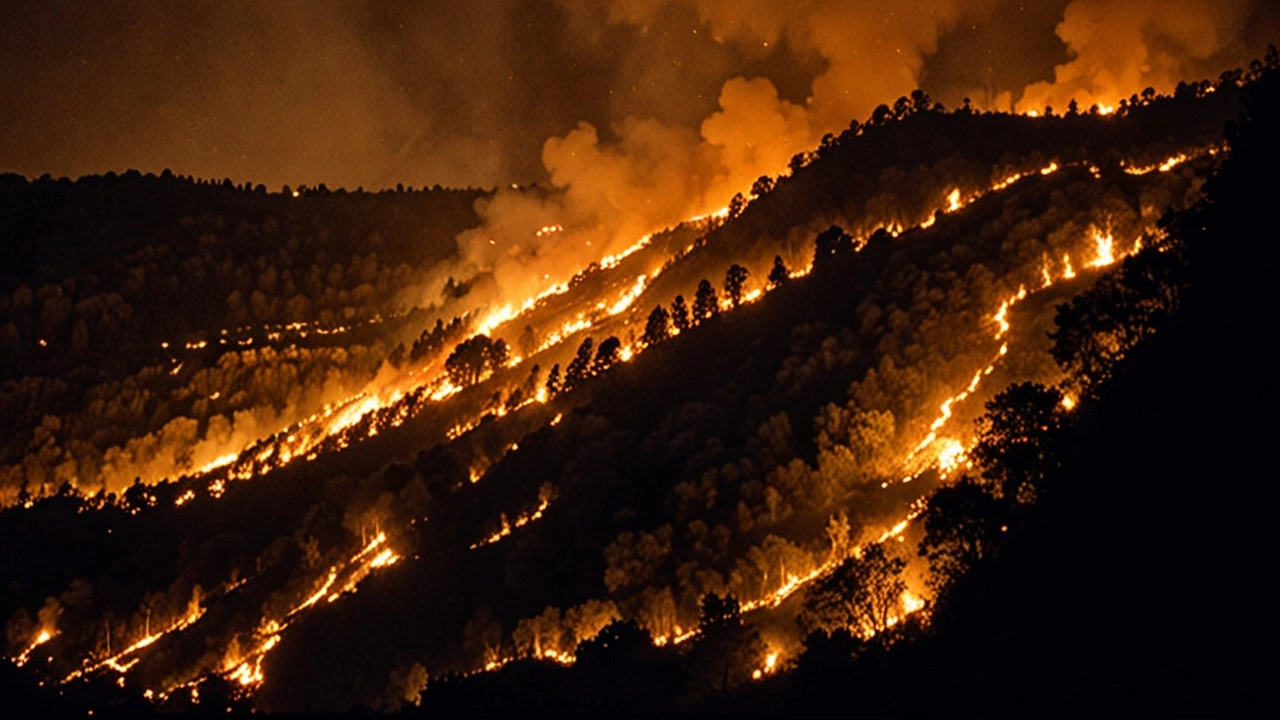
point(762, 186)
point(553, 381)
point(863, 594)
point(962, 525)
point(527, 390)
point(1018, 439)
point(736, 205)
point(735, 278)
point(680, 314)
point(606, 355)
point(705, 303)
point(778, 275)
point(473, 358)
point(726, 651)
point(580, 366)
point(829, 243)
point(1095, 330)
point(657, 328)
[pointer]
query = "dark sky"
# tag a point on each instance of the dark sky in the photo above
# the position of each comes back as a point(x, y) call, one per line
point(467, 93)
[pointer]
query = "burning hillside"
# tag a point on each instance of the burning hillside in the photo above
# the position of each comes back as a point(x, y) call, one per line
point(707, 438)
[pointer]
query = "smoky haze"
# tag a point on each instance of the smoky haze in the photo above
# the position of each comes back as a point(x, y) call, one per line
point(467, 94)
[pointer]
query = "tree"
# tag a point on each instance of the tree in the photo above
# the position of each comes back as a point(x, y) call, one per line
point(863, 595)
point(606, 355)
point(1100, 325)
point(920, 101)
point(778, 275)
point(736, 205)
point(735, 278)
point(553, 381)
point(657, 328)
point(705, 303)
point(474, 358)
point(962, 525)
point(726, 651)
point(762, 186)
point(527, 390)
point(580, 367)
point(829, 243)
point(680, 314)
point(1018, 439)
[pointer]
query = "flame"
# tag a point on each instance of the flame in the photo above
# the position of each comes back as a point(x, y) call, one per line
point(629, 296)
point(1105, 249)
point(950, 456)
point(953, 200)
point(41, 638)
point(194, 613)
point(247, 671)
point(520, 521)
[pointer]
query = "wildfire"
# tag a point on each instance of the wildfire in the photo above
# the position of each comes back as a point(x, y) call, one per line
point(521, 520)
point(41, 638)
point(247, 670)
point(770, 664)
point(1105, 249)
point(629, 296)
point(114, 662)
point(950, 456)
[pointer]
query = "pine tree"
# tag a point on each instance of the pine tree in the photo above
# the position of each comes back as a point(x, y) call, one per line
point(658, 328)
point(705, 303)
point(680, 314)
point(735, 278)
point(553, 381)
point(580, 367)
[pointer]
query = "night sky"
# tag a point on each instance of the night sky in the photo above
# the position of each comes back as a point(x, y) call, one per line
point(377, 93)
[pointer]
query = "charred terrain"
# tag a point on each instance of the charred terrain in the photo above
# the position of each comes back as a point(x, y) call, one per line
point(965, 412)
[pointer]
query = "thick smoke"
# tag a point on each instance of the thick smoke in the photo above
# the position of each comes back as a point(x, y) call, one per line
point(1118, 49)
point(641, 174)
